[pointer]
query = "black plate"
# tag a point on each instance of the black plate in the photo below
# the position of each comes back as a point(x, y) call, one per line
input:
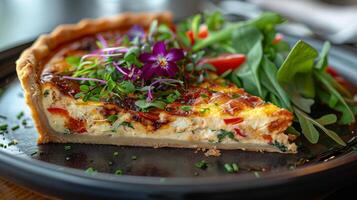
point(159, 173)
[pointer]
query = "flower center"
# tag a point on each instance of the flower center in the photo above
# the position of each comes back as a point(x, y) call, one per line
point(162, 61)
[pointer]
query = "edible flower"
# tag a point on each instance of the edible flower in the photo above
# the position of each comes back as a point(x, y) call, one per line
point(133, 73)
point(136, 31)
point(160, 62)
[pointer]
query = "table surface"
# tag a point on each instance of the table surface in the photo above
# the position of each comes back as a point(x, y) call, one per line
point(11, 191)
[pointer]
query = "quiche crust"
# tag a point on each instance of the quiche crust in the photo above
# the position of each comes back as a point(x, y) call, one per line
point(30, 64)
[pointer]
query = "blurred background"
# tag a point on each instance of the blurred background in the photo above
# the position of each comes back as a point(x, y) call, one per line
point(335, 20)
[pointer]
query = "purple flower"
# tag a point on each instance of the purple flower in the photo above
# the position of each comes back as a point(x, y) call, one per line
point(136, 31)
point(133, 73)
point(160, 62)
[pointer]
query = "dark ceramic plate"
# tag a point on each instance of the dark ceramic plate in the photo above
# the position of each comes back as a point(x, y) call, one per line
point(58, 169)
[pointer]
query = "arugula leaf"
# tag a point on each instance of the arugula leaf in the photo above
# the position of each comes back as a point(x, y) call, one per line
point(268, 74)
point(300, 60)
point(244, 38)
point(292, 130)
point(264, 21)
point(248, 72)
point(323, 58)
point(307, 127)
point(347, 114)
point(305, 84)
point(327, 119)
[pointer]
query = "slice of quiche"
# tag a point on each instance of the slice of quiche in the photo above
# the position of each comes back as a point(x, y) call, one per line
point(119, 81)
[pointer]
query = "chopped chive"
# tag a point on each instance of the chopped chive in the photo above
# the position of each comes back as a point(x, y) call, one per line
point(228, 168)
point(91, 170)
point(3, 117)
point(256, 174)
point(292, 167)
point(34, 153)
point(3, 127)
point(235, 167)
point(20, 115)
point(67, 148)
point(24, 122)
point(118, 172)
point(116, 153)
point(110, 163)
point(134, 157)
point(14, 128)
point(201, 164)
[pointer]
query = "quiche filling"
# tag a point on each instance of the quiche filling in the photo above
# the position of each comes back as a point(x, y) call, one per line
point(101, 86)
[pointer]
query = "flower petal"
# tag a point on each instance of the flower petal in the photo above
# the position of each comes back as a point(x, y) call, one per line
point(159, 48)
point(174, 55)
point(147, 57)
point(148, 71)
point(171, 69)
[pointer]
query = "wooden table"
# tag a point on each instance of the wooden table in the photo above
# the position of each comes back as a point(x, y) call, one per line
point(11, 191)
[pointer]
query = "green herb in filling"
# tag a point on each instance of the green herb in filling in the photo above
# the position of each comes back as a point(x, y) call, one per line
point(186, 108)
point(280, 146)
point(224, 134)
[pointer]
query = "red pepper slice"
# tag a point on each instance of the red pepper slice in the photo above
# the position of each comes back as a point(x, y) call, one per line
point(75, 125)
point(267, 137)
point(239, 132)
point(235, 120)
point(58, 111)
point(149, 116)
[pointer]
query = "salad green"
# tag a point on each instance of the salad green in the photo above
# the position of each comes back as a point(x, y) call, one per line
point(294, 78)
